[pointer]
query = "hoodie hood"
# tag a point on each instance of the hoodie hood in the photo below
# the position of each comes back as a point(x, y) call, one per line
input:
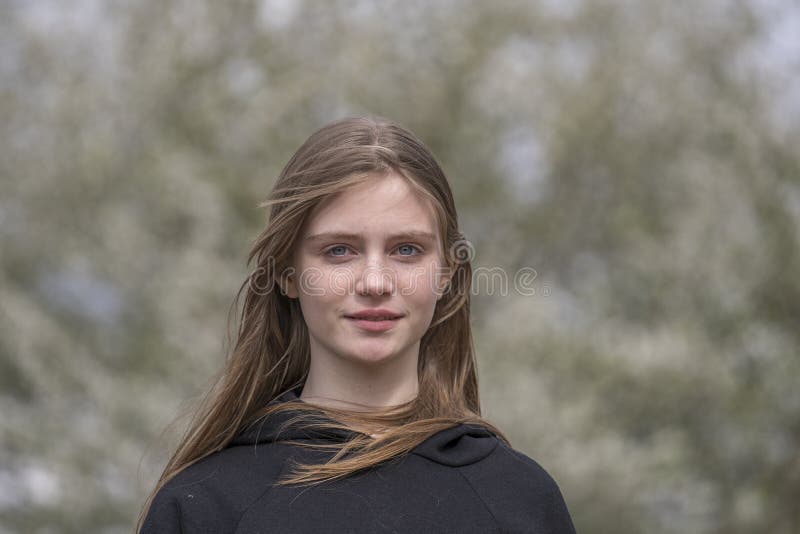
point(462, 444)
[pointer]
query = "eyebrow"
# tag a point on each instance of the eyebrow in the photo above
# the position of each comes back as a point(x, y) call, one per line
point(411, 234)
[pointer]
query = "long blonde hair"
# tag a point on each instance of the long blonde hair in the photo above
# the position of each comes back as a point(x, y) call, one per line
point(271, 355)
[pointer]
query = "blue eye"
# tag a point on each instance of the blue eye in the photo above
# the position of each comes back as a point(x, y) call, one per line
point(334, 248)
point(413, 247)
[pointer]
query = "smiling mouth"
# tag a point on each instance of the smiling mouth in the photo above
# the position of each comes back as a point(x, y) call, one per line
point(377, 319)
point(374, 324)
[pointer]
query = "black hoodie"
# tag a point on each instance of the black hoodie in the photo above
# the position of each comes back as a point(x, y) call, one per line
point(460, 480)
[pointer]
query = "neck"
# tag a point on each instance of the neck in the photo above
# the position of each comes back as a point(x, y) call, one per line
point(343, 383)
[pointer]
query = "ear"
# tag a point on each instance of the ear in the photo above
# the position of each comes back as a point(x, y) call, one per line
point(288, 283)
point(444, 280)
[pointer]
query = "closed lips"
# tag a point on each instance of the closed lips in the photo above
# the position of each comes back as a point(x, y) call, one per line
point(376, 315)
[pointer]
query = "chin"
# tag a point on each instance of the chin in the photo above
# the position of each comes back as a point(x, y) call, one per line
point(371, 355)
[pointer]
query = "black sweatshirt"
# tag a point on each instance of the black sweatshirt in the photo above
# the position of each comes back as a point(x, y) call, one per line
point(460, 480)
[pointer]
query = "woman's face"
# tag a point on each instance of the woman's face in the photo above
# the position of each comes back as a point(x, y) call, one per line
point(373, 246)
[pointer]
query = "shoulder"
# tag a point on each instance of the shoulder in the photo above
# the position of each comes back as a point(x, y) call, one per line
point(212, 494)
point(519, 492)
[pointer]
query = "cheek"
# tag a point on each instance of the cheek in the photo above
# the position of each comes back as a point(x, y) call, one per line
point(320, 314)
point(325, 282)
point(419, 284)
point(323, 291)
point(337, 282)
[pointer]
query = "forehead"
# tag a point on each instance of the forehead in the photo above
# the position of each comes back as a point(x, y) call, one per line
point(384, 204)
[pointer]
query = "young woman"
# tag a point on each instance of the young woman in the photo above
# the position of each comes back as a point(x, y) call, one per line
point(349, 402)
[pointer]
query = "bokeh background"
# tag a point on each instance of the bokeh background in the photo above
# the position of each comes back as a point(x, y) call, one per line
point(643, 157)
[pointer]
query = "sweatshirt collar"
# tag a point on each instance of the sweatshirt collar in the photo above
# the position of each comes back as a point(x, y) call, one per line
point(462, 444)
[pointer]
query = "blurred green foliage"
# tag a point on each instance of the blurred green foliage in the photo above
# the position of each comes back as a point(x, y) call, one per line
point(642, 157)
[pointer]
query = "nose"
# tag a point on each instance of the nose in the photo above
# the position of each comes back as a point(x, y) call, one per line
point(375, 279)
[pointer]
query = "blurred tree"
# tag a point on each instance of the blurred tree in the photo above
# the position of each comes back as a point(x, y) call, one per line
point(640, 156)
